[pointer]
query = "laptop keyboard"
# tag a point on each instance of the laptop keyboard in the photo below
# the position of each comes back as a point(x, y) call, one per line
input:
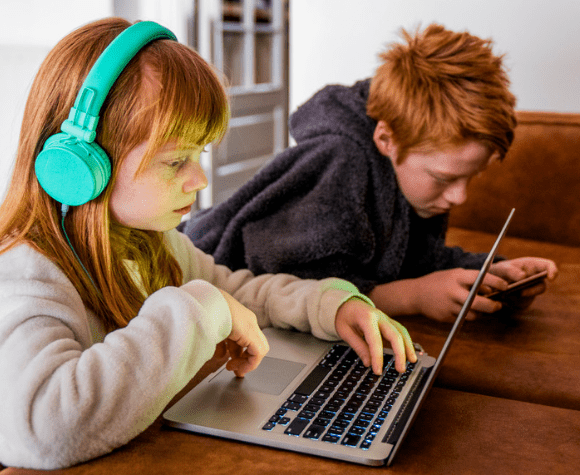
point(341, 401)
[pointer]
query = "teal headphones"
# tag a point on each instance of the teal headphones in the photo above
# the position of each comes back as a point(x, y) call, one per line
point(71, 167)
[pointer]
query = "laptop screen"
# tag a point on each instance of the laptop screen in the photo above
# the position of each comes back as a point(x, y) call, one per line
point(414, 404)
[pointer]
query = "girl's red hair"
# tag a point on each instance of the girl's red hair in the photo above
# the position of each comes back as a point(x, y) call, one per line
point(167, 92)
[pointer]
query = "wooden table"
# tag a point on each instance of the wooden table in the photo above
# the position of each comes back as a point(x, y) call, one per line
point(455, 433)
point(507, 401)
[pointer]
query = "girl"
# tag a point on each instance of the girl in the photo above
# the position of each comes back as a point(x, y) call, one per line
point(107, 311)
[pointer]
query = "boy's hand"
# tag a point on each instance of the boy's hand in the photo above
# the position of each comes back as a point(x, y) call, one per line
point(441, 295)
point(246, 343)
point(518, 269)
point(366, 329)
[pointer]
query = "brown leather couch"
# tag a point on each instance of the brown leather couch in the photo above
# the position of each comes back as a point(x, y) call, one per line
point(532, 356)
point(507, 399)
point(527, 356)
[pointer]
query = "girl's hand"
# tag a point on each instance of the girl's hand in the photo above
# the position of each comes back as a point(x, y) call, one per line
point(246, 343)
point(366, 329)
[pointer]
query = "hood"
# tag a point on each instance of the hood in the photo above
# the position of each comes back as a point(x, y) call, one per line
point(335, 109)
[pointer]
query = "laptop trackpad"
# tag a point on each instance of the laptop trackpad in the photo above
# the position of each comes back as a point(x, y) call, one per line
point(271, 377)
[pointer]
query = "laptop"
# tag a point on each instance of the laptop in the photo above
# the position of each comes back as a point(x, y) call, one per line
point(316, 397)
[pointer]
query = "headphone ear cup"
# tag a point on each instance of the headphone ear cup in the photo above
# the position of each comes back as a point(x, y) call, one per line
point(72, 171)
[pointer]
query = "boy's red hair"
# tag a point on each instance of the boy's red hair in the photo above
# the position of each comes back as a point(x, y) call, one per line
point(441, 88)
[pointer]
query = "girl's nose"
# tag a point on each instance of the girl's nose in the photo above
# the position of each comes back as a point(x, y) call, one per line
point(196, 179)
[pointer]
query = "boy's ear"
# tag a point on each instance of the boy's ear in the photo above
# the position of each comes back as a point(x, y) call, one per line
point(383, 138)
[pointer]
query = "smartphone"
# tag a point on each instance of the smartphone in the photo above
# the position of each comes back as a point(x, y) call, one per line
point(518, 286)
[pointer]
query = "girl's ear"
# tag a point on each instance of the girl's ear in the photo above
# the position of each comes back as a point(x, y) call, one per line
point(383, 138)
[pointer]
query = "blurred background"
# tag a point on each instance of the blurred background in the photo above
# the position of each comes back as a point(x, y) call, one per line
point(276, 53)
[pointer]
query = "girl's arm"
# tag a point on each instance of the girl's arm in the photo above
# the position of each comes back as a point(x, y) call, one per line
point(330, 309)
point(67, 398)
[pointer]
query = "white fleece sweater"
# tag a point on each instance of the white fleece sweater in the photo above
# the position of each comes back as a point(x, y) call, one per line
point(69, 393)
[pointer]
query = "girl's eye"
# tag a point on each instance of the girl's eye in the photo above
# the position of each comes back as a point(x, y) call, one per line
point(177, 163)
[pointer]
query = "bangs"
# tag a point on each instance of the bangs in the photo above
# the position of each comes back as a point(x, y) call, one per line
point(186, 102)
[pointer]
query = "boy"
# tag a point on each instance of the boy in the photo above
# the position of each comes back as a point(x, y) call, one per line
point(365, 194)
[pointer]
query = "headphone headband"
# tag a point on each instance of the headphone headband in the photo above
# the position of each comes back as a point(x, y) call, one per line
point(84, 115)
point(72, 168)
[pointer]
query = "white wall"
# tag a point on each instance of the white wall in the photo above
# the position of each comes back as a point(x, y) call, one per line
point(332, 41)
point(30, 28)
point(337, 41)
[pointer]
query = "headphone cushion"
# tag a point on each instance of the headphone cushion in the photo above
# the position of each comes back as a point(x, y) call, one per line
point(72, 171)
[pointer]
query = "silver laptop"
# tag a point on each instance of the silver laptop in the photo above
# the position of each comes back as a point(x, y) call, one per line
point(316, 397)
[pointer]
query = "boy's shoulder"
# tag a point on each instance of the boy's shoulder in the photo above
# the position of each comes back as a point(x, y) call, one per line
point(335, 109)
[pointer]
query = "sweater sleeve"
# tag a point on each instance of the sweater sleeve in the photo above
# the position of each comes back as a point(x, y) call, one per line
point(66, 399)
point(318, 225)
point(280, 300)
point(456, 257)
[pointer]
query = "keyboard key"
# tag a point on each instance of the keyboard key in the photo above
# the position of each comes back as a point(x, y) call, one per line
point(371, 378)
point(312, 381)
point(322, 395)
point(314, 431)
point(298, 398)
point(326, 414)
point(336, 429)
point(322, 421)
point(307, 414)
point(346, 416)
point(384, 413)
point(356, 431)
point(370, 409)
point(351, 440)
point(332, 408)
point(365, 444)
point(366, 417)
point(364, 389)
point(297, 426)
point(357, 399)
point(293, 406)
point(341, 424)
point(361, 423)
point(312, 407)
point(374, 429)
point(331, 438)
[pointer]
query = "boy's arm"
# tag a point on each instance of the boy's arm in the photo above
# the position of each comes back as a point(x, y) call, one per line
point(316, 224)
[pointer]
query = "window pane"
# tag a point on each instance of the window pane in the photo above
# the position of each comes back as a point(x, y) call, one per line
point(233, 57)
point(263, 60)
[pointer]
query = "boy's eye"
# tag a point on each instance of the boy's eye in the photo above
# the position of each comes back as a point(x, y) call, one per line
point(444, 180)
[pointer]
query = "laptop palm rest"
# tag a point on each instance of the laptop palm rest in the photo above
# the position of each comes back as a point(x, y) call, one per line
point(271, 377)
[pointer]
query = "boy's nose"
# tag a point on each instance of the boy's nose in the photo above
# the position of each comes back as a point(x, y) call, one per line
point(456, 194)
